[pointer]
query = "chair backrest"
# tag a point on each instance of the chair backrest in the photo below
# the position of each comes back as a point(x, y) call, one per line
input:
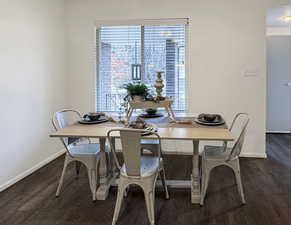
point(240, 122)
point(131, 148)
point(64, 118)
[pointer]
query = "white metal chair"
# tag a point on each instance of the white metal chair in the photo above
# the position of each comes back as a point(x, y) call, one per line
point(137, 169)
point(214, 156)
point(77, 151)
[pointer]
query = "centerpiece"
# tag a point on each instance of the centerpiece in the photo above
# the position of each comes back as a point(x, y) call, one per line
point(139, 97)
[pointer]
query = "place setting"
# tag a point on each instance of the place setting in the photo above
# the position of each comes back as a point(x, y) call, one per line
point(201, 120)
point(94, 118)
point(141, 124)
point(209, 119)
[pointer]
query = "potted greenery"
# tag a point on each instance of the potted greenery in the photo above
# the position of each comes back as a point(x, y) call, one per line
point(137, 91)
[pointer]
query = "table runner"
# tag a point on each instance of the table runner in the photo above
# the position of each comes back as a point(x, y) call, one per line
point(164, 122)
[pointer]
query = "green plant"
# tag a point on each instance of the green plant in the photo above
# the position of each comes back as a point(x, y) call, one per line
point(136, 89)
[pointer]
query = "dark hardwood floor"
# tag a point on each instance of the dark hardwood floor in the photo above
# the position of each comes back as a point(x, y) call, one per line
point(267, 184)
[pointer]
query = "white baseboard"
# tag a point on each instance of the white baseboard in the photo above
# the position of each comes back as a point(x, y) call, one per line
point(278, 132)
point(31, 170)
point(254, 155)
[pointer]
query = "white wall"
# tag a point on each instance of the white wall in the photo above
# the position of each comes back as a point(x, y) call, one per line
point(32, 83)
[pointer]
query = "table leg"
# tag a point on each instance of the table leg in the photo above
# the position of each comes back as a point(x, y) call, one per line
point(168, 111)
point(172, 113)
point(112, 162)
point(129, 114)
point(105, 172)
point(103, 160)
point(195, 177)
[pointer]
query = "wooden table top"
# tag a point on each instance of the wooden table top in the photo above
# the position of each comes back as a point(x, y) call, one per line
point(170, 133)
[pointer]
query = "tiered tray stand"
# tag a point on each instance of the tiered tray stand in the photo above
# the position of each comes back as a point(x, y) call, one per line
point(167, 103)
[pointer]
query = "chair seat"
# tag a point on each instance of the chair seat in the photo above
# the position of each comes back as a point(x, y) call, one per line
point(85, 149)
point(148, 166)
point(216, 152)
point(150, 146)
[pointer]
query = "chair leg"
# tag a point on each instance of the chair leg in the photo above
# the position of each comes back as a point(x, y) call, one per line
point(62, 177)
point(202, 185)
point(239, 183)
point(126, 190)
point(163, 179)
point(78, 166)
point(150, 205)
point(205, 182)
point(118, 203)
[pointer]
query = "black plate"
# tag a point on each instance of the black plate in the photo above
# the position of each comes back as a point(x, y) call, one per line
point(92, 122)
point(145, 115)
point(203, 122)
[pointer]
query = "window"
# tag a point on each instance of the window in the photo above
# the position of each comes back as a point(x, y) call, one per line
point(133, 54)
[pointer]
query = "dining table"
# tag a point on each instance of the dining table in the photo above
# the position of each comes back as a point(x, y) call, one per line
point(167, 130)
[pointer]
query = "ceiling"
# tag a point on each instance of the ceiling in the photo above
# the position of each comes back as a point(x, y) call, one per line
point(274, 16)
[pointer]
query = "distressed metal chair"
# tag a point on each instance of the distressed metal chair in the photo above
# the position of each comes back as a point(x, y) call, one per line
point(137, 169)
point(79, 150)
point(214, 156)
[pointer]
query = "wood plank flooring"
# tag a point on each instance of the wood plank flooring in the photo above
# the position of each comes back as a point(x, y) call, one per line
point(267, 184)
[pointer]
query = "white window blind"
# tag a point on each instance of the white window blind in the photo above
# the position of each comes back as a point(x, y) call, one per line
point(134, 54)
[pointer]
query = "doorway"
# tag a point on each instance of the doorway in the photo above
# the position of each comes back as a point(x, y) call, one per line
point(279, 70)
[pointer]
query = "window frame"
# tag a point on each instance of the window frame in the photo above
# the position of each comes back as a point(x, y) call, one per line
point(142, 22)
